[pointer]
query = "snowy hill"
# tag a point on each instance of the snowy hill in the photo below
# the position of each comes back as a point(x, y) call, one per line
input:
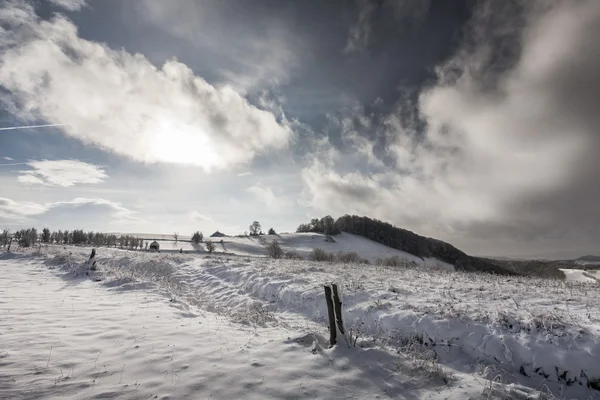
point(300, 243)
point(579, 275)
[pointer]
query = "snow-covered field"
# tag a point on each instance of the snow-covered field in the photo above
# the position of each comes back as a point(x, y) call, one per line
point(300, 243)
point(580, 275)
point(171, 326)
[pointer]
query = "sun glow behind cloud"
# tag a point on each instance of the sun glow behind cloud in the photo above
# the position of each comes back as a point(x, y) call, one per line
point(178, 143)
point(122, 103)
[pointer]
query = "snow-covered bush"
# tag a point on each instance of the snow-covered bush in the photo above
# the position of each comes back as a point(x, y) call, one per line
point(321, 255)
point(26, 237)
point(4, 236)
point(210, 246)
point(197, 237)
point(350, 258)
point(274, 250)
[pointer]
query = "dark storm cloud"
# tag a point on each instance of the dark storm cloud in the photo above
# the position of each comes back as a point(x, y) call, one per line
point(297, 48)
point(505, 157)
point(374, 17)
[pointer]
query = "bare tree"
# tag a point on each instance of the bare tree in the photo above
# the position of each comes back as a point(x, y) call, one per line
point(255, 228)
point(176, 236)
point(4, 237)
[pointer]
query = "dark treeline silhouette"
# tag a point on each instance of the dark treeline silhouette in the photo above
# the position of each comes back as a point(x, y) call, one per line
point(325, 225)
point(30, 237)
point(402, 239)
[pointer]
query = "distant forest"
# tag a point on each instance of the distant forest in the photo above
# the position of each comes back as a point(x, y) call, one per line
point(29, 237)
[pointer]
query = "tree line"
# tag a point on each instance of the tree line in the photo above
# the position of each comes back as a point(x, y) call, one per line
point(326, 225)
point(30, 237)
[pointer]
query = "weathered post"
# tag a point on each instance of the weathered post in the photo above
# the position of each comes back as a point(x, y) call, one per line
point(9, 243)
point(92, 260)
point(331, 312)
point(337, 303)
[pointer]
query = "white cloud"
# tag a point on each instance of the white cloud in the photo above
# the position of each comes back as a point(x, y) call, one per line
point(244, 174)
point(197, 216)
point(265, 195)
point(64, 173)
point(30, 179)
point(71, 5)
point(117, 211)
point(122, 103)
point(20, 211)
point(8, 158)
point(355, 128)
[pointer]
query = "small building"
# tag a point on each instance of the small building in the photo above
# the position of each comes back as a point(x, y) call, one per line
point(218, 234)
point(154, 246)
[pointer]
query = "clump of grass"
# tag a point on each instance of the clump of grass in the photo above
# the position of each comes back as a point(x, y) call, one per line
point(424, 358)
point(395, 261)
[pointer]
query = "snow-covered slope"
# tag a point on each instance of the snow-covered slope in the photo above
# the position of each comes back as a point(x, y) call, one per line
point(302, 244)
point(579, 275)
point(529, 334)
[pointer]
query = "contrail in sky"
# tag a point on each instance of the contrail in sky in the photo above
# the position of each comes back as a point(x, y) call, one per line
point(10, 128)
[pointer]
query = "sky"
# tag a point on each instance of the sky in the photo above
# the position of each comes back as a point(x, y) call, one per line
point(474, 122)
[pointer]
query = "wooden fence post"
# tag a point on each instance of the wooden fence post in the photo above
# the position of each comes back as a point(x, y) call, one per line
point(338, 308)
point(92, 260)
point(331, 312)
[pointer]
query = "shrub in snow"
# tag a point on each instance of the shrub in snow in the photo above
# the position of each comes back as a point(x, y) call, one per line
point(320, 255)
point(197, 237)
point(351, 258)
point(274, 250)
point(4, 237)
point(272, 231)
point(46, 235)
point(210, 246)
point(26, 237)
